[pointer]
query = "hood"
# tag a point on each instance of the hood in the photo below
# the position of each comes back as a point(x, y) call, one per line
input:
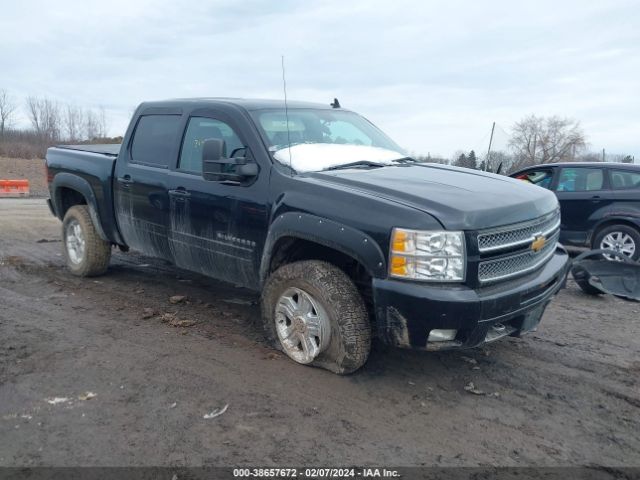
point(459, 198)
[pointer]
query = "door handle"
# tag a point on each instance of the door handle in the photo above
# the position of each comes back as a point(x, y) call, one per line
point(595, 198)
point(125, 181)
point(179, 192)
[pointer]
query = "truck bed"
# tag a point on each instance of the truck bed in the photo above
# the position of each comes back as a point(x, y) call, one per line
point(87, 169)
point(111, 149)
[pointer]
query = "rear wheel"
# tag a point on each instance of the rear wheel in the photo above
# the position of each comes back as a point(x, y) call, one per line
point(314, 313)
point(620, 238)
point(86, 254)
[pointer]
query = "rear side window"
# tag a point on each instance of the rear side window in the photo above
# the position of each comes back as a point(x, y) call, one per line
point(155, 139)
point(625, 180)
point(580, 179)
point(541, 178)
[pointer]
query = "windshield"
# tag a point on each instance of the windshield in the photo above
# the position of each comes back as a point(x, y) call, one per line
point(323, 127)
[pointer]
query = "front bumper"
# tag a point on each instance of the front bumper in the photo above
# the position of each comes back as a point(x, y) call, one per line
point(406, 312)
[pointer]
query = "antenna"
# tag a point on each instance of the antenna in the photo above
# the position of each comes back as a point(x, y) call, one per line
point(286, 114)
point(486, 163)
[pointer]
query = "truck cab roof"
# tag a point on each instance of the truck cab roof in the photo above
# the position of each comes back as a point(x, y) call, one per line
point(249, 104)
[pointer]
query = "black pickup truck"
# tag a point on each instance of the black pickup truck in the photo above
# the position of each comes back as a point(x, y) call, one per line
point(346, 237)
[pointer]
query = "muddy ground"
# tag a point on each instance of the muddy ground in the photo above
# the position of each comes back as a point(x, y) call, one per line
point(565, 395)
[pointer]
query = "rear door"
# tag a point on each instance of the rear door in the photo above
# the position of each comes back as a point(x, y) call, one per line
point(141, 184)
point(626, 189)
point(217, 228)
point(585, 198)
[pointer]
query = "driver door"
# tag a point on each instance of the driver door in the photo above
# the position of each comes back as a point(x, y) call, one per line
point(215, 226)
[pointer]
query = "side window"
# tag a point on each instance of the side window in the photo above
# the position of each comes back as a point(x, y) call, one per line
point(200, 129)
point(154, 139)
point(541, 178)
point(625, 179)
point(580, 179)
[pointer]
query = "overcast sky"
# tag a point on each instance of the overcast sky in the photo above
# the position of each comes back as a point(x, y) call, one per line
point(433, 75)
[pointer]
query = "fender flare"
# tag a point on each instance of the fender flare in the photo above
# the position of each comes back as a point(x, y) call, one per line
point(331, 234)
point(82, 186)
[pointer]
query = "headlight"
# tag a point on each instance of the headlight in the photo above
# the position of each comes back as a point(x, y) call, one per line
point(437, 256)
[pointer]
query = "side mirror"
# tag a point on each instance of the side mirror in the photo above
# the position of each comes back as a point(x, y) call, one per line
point(217, 168)
point(213, 149)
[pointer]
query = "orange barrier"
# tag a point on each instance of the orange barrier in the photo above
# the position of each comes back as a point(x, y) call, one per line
point(14, 188)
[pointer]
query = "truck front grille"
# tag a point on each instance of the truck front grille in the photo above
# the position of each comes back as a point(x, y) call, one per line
point(518, 264)
point(511, 251)
point(519, 234)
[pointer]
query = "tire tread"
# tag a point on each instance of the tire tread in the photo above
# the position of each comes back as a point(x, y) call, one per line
point(98, 251)
point(341, 295)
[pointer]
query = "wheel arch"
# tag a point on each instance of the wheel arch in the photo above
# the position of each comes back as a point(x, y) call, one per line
point(610, 221)
point(69, 190)
point(294, 236)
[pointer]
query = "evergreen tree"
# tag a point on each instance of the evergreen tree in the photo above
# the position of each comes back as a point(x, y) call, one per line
point(461, 161)
point(472, 161)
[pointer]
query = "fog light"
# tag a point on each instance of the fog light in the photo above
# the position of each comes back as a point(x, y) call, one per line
point(442, 335)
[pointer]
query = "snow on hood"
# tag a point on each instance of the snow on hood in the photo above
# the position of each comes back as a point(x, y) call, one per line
point(313, 157)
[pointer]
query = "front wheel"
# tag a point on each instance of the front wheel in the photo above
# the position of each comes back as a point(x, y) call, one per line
point(314, 313)
point(86, 254)
point(620, 238)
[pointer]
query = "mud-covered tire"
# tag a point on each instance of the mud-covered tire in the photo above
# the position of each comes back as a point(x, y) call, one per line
point(96, 252)
point(350, 332)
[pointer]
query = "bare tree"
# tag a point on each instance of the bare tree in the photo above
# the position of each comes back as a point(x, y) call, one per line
point(45, 118)
point(546, 140)
point(428, 158)
point(498, 160)
point(73, 123)
point(90, 125)
point(102, 123)
point(7, 110)
point(589, 157)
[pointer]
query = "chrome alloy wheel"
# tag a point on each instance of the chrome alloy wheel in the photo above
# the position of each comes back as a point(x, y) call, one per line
point(302, 325)
point(74, 241)
point(620, 242)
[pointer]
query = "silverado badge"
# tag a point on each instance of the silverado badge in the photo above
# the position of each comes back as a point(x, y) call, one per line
point(538, 243)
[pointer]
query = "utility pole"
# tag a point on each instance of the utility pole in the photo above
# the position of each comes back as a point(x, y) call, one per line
point(535, 140)
point(603, 154)
point(486, 164)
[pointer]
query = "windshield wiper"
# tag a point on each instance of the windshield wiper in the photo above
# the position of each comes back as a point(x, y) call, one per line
point(358, 164)
point(405, 160)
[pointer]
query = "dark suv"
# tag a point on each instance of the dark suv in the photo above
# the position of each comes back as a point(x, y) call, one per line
point(599, 203)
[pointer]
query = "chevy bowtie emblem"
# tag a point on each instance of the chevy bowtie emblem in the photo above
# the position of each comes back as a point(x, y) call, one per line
point(538, 243)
